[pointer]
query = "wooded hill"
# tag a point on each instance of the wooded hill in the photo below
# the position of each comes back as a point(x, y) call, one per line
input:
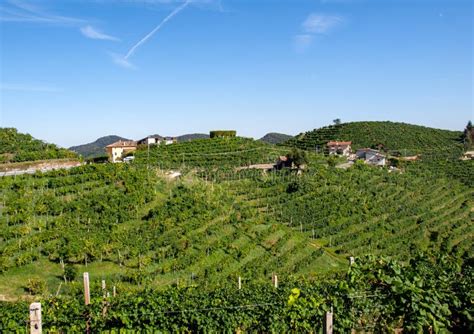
point(392, 136)
point(96, 148)
point(19, 147)
point(275, 138)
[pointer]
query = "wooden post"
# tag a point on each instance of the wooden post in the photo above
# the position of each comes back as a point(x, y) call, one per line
point(328, 327)
point(104, 292)
point(275, 281)
point(87, 294)
point(114, 291)
point(351, 260)
point(240, 283)
point(35, 318)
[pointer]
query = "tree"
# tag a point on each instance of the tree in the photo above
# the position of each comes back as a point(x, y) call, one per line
point(337, 121)
point(297, 157)
point(468, 136)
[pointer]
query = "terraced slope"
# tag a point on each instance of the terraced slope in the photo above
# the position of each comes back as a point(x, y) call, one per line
point(131, 226)
point(406, 138)
point(19, 147)
point(216, 152)
point(366, 210)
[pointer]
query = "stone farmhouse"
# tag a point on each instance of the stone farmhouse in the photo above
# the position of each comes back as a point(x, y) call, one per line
point(116, 150)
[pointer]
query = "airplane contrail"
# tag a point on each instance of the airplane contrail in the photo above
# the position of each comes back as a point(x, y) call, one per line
point(158, 27)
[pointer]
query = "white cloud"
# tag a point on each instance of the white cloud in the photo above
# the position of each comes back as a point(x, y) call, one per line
point(315, 24)
point(92, 33)
point(121, 61)
point(320, 23)
point(24, 11)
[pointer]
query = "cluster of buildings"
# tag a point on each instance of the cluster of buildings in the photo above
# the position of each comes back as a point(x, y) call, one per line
point(118, 151)
point(368, 155)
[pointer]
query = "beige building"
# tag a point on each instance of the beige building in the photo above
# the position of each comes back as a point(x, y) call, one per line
point(339, 147)
point(120, 148)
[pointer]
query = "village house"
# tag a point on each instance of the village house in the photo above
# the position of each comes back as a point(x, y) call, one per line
point(151, 140)
point(340, 148)
point(170, 140)
point(116, 150)
point(157, 140)
point(371, 156)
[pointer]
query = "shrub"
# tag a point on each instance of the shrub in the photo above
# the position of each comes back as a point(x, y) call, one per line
point(222, 133)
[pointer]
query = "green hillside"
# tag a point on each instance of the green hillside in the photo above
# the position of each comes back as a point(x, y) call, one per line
point(96, 148)
point(19, 147)
point(204, 153)
point(133, 226)
point(406, 138)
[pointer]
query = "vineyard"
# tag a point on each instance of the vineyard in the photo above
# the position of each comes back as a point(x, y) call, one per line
point(18, 147)
point(428, 294)
point(406, 138)
point(210, 153)
point(175, 248)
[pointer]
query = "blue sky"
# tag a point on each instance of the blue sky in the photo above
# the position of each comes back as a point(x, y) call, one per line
point(251, 65)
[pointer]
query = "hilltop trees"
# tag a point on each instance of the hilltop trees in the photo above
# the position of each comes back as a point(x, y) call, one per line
point(468, 135)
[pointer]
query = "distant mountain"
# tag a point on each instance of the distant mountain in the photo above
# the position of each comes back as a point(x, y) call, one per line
point(96, 148)
point(192, 136)
point(275, 138)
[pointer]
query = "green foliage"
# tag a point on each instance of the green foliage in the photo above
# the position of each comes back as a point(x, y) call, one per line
point(35, 286)
point(298, 157)
point(468, 136)
point(209, 154)
point(222, 134)
point(407, 139)
point(70, 272)
point(18, 147)
point(376, 294)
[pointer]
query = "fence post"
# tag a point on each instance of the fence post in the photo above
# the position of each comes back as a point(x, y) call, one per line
point(87, 294)
point(275, 281)
point(104, 291)
point(351, 260)
point(35, 318)
point(328, 327)
point(240, 283)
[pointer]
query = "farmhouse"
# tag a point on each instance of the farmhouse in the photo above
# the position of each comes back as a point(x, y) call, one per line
point(339, 147)
point(116, 150)
point(157, 140)
point(170, 140)
point(151, 140)
point(371, 157)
